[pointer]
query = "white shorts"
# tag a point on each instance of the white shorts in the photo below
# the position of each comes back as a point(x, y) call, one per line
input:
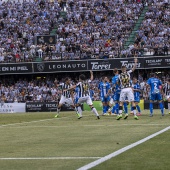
point(86, 100)
point(63, 100)
point(126, 94)
point(111, 102)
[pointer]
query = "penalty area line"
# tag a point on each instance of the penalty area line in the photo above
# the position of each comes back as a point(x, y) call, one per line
point(118, 152)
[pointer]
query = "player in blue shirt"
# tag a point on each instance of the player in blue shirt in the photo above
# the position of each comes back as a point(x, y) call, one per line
point(116, 94)
point(104, 90)
point(155, 93)
point(137, 91)
point(91, 93)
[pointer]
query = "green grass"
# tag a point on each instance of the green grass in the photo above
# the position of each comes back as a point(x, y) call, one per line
point(40, 135)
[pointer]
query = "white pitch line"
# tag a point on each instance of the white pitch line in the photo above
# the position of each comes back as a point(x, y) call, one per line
point(118, 152)
point(13, 124)
point(49, 158)
point(43, 120)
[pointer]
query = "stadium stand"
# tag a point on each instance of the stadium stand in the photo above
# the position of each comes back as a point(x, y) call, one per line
point(87, 29)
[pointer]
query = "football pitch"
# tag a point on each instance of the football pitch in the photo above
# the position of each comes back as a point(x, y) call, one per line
point(38, 141)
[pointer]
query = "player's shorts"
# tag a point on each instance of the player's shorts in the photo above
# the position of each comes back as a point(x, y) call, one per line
point(63, 100)
point(76, 100)
point(116, 96)
point(155, 96)
point(126, 94)
point(111, 102)
point(85, 99)
point(137, 99)
point(105, 99)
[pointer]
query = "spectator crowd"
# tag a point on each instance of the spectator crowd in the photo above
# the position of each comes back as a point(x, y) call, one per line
point(154, 33)
point(84, 29)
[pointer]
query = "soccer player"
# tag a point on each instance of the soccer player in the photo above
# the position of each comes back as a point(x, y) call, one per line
point(66, 97)
point(116, 89)
point(126, 91)
point(104, 90)
point(166, 88)
point(116, 95)
point(137, 91)
point(83, 95)
point(91, 93)
point(155, 93)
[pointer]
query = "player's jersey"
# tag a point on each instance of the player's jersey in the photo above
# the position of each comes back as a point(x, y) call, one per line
point(115, 83)
point(91, 93)
point(124, 79)
point(154, 85)
point(167, 89)
point(65, 86)
point(104, 88)
point(83, 89)
point(76, 93)
point(136, 93)
point(99, 85)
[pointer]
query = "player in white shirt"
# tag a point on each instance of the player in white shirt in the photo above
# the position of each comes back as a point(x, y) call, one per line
point(83, 94)
point(66, 97)
point(126, 91)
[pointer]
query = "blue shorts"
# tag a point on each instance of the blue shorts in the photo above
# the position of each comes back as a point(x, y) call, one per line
point(116, 97)
point(105, 99)
point(76, 100)
point(137, 99)
point(155, 96)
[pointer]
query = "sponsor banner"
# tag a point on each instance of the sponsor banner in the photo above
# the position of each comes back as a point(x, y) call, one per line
point(66, 107)
point(60, 66)
point(16, 68)
point(48, 39)
point(46, 107)
point(157, 62)
point(41, 107)
point(84, 65)
point(110, 64)
point(12, 107)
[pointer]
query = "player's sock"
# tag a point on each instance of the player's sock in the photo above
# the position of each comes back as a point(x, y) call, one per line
point(113, 109)
point(169, 106)
point(134, 110)
point(107, 108)
point(104, 109)
point(125, 108)
point(162, 108)
point(117, 108)
point(79, 111)
point(76, 109)
point(138, 108)
point(58, 110)
point(95, 111)
point(151, 108)
point(120, 110)
point(119, 116)
point(131, 109)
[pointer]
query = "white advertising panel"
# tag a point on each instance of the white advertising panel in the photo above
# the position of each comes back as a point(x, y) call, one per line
point(12, 107)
